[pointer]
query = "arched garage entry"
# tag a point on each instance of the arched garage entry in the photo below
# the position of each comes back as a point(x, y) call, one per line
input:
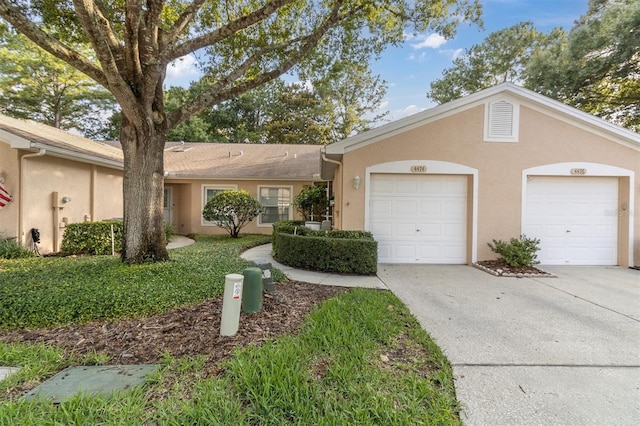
point(580, 213)
point(422, 211)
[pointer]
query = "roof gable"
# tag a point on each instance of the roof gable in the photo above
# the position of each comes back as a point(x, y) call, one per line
point(23, 134)
point(519, 94)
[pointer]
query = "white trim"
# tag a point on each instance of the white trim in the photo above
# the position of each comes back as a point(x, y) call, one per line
point(515, 120)
point(14, 141)
point(203, 199)
point(290, 188)
point(592, 169)
point(433, 167)
point(531, 100)
point(168, 200)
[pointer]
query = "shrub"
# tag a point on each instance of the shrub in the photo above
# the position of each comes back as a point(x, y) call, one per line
point(312, 202)
point(10, 248)
point(232, 210)
point(92, 237)
point(517, 252)
point(168, 231)
point(329, 251)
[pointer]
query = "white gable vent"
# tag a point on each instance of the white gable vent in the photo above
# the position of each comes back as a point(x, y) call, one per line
point(501, 121)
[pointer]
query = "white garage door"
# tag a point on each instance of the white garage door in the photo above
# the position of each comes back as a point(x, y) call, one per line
point(575, 219)
point(419, 218)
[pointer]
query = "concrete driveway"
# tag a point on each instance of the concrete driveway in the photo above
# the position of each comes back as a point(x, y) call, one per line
point(533, 351)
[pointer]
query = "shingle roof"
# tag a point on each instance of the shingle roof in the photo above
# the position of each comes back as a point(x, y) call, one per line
point(242, 161)
point(42, 136)
point(182, 160)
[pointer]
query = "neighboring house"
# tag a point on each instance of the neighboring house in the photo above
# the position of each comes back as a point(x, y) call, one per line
point(437, 186)
point(55, 178)
point(274, 174)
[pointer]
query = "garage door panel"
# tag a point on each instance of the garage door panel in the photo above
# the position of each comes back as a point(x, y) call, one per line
point(405, 230)
point(406, 207)
point(405, 252)
point(574, 218)
point(382, 229)
point(423, 221)
point(430, 207)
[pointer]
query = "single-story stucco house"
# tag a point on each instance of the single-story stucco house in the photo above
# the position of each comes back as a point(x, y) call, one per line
point(434, 187)
point(273, 173)
point(437, 186)
point(55, 178)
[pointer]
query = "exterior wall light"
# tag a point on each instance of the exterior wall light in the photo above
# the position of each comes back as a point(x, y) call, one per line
point(356, 182)
point(66, 200)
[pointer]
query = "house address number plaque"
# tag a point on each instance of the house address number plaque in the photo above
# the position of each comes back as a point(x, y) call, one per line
point(578, 171)
point(418, 169)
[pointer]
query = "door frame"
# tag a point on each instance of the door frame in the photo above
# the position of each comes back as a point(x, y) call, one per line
point(168, 205)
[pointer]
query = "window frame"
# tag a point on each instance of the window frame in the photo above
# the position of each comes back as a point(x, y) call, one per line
point(204, 200)
point(262, 224)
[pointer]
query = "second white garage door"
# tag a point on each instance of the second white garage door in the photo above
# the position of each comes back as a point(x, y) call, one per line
point(575, 219)
point(419, 218)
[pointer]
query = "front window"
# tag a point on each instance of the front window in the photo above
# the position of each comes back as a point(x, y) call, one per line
point(276, 202)
point(210, 191)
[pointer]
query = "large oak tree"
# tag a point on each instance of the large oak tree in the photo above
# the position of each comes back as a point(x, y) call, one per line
point(246, 43)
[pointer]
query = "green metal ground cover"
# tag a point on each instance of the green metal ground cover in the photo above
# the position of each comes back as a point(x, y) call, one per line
point(97, 380)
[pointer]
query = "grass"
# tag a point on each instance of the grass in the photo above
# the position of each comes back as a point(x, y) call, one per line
point(53, 291)
point(360, 358)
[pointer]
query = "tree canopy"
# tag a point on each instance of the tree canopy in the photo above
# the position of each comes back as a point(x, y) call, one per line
point(502, 56)
point(35, 85)
point(244, 44)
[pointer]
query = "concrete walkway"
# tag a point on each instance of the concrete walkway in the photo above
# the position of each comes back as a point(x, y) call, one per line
point(264, 253)
point(179, 241)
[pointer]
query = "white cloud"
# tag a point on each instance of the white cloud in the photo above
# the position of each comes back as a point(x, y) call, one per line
point(181, 71)
point(453, 54)
point(421, 57)
point(432, 40)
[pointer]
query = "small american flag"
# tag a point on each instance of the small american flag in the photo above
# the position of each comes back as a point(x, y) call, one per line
point(5, 198)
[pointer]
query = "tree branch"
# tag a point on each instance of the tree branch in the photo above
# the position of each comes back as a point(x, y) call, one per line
point(225, 31)
point(99, 32)
point(19, 21)
point(221, 91)
point(182, 22)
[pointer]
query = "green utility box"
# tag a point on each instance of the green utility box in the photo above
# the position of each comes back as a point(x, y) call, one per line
point(267, 280)
point(252, 291)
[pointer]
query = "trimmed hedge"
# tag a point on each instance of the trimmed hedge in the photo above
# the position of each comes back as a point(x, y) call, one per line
point(92, 237)
point(345, 252)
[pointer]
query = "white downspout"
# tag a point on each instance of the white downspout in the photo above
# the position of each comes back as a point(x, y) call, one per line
point(339, 164)
point(21, 191)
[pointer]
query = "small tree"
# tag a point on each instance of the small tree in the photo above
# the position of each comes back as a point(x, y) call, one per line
point(232, 210)
point(312, 202)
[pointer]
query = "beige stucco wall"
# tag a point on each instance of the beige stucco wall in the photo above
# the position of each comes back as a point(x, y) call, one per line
point(95, 193)
point(188, 204)
point(459, 139)
point(10, 173)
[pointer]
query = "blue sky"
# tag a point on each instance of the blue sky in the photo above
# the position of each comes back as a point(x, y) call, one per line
point(408, 69)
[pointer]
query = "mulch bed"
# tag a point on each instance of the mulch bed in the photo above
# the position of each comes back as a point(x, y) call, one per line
point(190, 330)
point(500, 268)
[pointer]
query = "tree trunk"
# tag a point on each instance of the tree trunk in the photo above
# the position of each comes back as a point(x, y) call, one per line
point(143, 190)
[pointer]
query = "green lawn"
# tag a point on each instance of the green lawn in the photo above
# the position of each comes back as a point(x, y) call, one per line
point(360, 358)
